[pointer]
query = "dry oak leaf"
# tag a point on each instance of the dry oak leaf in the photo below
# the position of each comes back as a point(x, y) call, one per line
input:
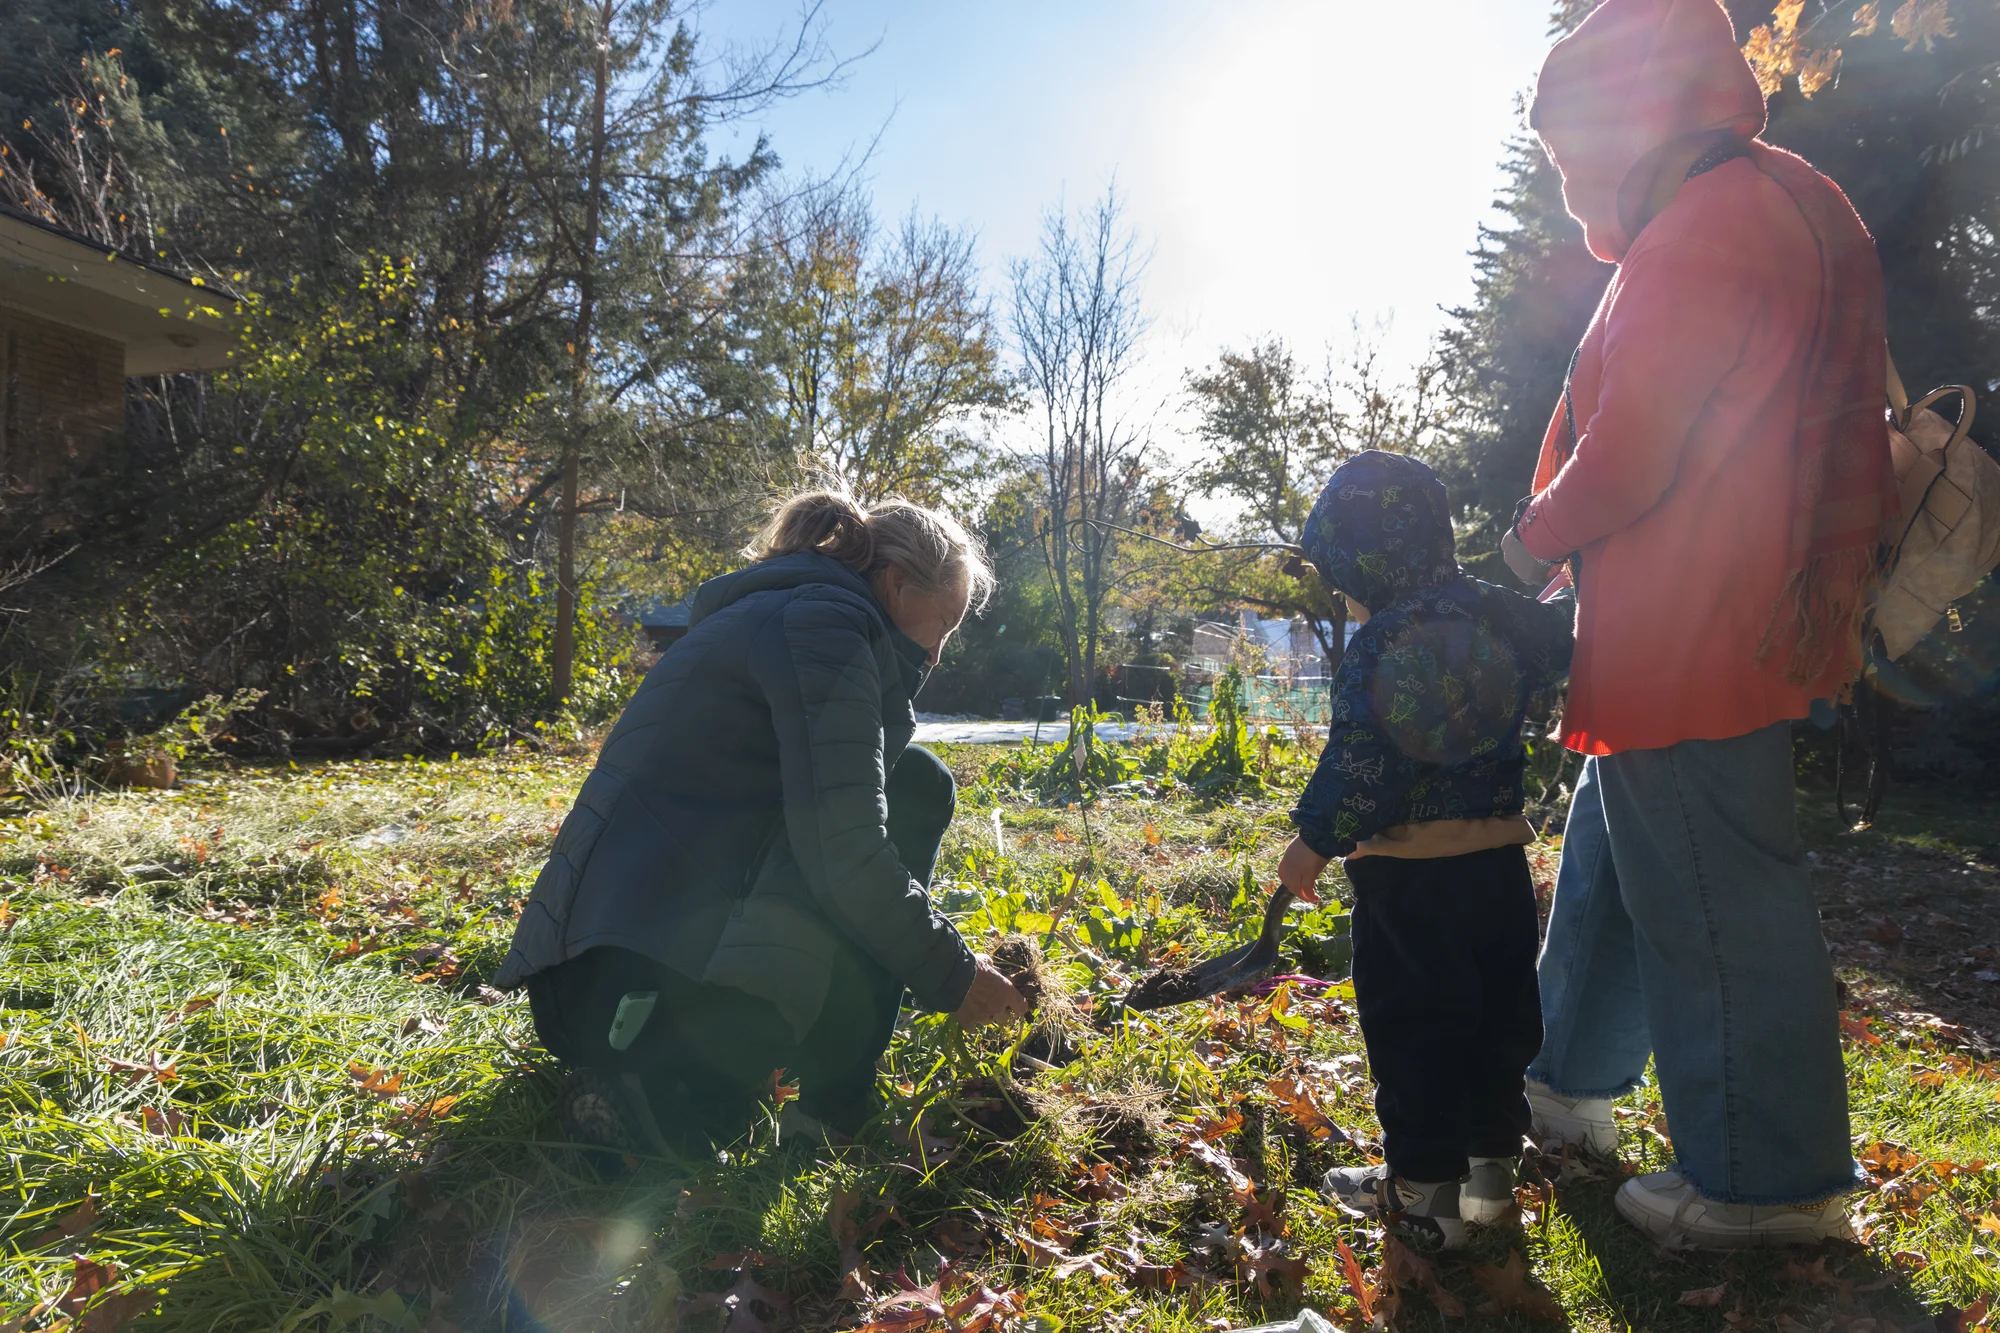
point(113, 1312)
point(375, 1081)
point(916, 1307)
point(157, 1069)
point(1211, 1155)
point(1357, 1284)
point(744, 1298)
point(1704, 1298)
point(422, 1114)
point(1208, 1131)
point(87, 1277)
point(1508, 1288)
point(1060, 1263)
point(856, 1281)
point(1403, 1269)
point(1296, 1100)
point(1261, 1261)
point(76, 1222)
point(167, 1123)
point(1925, 21)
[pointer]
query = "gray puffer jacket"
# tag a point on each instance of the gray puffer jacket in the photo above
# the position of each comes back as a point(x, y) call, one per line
point(734, 828)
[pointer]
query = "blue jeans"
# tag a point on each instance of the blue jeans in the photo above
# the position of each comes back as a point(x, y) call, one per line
point(1684, 927)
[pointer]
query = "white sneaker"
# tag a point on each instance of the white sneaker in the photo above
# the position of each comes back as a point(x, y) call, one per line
point(1572, 1122)
point(1486, 1195)
point(1667, 1208)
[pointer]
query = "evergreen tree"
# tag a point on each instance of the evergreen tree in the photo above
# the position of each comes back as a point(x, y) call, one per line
point(1535, 286)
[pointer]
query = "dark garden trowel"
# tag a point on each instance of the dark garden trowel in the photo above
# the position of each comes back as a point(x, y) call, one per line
point(1238, 967)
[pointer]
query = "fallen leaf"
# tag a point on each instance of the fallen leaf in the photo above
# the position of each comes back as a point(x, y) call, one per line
point(167, 1124)
point(422, 1114)
point(744, 1299)
point(157, 1069)
point(113, 1312)
point(1263, 1214)
point(1210, 1155)
point(1098, 1183)
point(781, 1091)
point(1060, 1263)
point(375, 1081)
point(1208, 1131)
point(1954, 1320)
point(1704, 1298)
point(1296, 1100)
point(1260, 1262)
point(76, 1222)
point(1814, 1274)
point(1403, 1270)
point(196, 1003)
point(1508, 1288)
point(1152, 838)
point(87, 1277)
point(1858, 1029)
point(856, 1282)
point(1887, 1159)
point(1350, 1269)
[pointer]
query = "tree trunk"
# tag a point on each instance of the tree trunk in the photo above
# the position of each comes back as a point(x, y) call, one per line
point(565, 653)
point(579, 350)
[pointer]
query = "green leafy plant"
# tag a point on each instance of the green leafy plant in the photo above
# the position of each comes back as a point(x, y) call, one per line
point(1225, 764)
point(1080, 769)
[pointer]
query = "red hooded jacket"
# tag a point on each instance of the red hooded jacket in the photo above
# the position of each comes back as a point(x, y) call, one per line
point(1687, 497)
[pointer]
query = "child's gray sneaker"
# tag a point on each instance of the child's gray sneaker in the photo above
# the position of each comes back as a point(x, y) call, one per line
point(1572, 1122)
point(1487, 1193)
point(1426, 1215)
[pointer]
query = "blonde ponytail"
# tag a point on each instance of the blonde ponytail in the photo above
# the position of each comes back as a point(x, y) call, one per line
point(827, 521)
point(932, 548)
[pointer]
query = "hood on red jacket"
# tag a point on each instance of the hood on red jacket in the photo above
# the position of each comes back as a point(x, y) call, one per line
point(1635, 76)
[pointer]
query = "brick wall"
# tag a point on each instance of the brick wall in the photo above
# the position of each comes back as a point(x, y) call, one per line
point(62, 397)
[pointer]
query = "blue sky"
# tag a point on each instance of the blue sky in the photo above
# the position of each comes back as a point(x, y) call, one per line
point(1290, 163)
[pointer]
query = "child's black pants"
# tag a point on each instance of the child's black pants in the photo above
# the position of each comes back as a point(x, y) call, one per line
point(707, 1054)
point(1444, 977)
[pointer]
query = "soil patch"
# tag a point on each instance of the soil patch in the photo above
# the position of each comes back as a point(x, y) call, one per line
point(1169, 985)
point(986, 1104)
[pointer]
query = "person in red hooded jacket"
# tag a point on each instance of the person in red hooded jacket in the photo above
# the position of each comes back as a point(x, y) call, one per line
point(1713, 483)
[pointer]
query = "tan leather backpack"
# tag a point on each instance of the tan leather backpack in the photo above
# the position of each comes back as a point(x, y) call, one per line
point(1947, 537)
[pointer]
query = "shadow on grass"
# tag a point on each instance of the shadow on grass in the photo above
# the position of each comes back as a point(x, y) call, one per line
point(1835, 1285)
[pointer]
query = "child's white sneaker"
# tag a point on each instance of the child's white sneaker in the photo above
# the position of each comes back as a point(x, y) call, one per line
point(1572, 1122)
point(1667, 1208)
point(1487, 1194)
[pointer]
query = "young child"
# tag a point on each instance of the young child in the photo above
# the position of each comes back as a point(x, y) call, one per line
point(1420, 790)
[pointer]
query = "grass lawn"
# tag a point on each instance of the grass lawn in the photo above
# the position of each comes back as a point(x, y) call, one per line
point(251, 1079)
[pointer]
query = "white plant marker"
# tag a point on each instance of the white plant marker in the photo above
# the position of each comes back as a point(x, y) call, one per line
point(999, 839)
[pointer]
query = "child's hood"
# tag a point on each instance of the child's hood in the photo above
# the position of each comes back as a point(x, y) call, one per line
point(1382, 530)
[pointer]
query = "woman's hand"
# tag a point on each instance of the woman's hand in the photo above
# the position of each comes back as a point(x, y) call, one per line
point(1300, 870)
point(992, 999)
point(1531, 571)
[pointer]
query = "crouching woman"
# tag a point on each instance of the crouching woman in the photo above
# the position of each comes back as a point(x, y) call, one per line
point(741, 886)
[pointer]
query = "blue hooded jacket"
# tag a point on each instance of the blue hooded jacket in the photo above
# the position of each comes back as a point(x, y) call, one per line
point(1430, 697)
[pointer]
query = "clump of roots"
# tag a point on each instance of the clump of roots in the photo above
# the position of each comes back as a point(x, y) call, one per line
point(1019, 959)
